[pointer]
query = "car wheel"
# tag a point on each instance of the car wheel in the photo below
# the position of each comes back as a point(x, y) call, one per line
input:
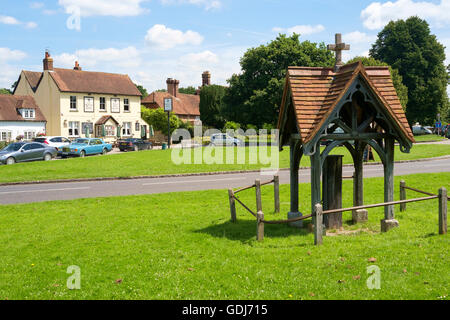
point(104, 152)
point(47, 157)
point(82, 154)
point(10, 160)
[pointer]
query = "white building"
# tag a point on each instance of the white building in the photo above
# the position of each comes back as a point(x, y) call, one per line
point(20, 116)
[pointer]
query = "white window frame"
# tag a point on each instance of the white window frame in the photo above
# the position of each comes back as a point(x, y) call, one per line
point(102, 104)
point(126, 105)
point(74, 125)
point(28, 113)
point(29, 134)
point(7, 134)
point(70, 103)
point(126, 129)
point(110, 130)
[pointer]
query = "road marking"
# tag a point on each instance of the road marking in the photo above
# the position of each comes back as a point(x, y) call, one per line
point(191, 181)
point(43, 190)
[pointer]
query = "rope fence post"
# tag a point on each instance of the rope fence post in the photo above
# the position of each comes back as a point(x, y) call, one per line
point(276, 190)
point(402, 195)
point(232, 205)
point(443, 210)
point(258, 195)
point(260, 226)
point(318, 225)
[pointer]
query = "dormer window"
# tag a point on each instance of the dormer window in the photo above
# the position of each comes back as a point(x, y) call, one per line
point(28, 113)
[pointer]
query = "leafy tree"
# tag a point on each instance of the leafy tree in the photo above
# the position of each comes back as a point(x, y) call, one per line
point(230, 125)
point(408, 46)
point(5, 91)
point(142, 90)
point(397, 79)
point(158, 119)
point(254, 95)
point(211, 106)
point(188, 90)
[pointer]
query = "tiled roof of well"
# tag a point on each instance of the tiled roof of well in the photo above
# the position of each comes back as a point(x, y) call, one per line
point(183, 104)
point(317, 91)
point(10, 105)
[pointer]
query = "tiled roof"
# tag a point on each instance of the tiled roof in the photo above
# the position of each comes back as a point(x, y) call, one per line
point(316, 91)
point(33, 78)
point(69, 80)
point(105, 119)
point(183, 104)
point(10, 105)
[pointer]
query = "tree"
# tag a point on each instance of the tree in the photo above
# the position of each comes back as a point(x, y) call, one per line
point(397, 79)
point(158, 119)
point(5, 91)
point(254, 95)
point(142, 90)
point(188, 90)
point(409, 47)
point(211, 106)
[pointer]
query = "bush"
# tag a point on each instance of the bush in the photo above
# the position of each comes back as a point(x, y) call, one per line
point(230, 125)
point(158, 119)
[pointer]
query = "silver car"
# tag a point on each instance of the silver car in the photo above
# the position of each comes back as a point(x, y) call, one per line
point(26, 151)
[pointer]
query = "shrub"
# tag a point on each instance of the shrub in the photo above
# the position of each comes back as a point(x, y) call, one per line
point(230, 125)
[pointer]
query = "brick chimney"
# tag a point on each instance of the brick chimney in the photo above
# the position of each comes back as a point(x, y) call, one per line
point(206, 77)
point(48, 62)
point(77, 66)
point(172, 86)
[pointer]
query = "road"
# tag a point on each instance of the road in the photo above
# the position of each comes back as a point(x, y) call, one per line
point(75, 190)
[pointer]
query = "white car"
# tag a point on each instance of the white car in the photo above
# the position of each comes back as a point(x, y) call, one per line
point(57, 142)
point(222, 139)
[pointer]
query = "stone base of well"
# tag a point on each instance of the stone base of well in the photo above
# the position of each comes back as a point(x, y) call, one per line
point(359, 216)
point(387, 225)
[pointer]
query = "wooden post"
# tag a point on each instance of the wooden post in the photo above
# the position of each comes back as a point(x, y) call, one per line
point(260, 226)
point(402, 195)
point(232, 205)
point(318, 231)
point(294, 166)
point(443, 210)
point(332, 190)
point(276, 191)
point(358, 182)
point(258, 195)
point(389, 178)
point(316, 170)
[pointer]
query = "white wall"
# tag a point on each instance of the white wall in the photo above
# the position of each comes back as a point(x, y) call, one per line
point(19, 127)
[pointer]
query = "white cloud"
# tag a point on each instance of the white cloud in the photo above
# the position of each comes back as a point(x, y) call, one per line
point(205, 57)
point(162, 37)
point(10, 73)
point(207, 4)
point(117, 8)
point(7, 54)
point(377, 14)
point(100, 58)
point(301, 29)
point(13, 21)
point(360, 44)
point(9, 20)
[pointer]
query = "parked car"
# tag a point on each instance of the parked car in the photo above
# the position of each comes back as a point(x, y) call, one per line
point(419, 130)
point(223, 139)
point(82, 147)
point(54, 141)
point(23, 151)
point(134, 144)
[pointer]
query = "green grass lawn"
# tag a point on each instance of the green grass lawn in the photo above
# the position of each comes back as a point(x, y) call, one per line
point(429, 137)
point(158, 162)
point(182, 246)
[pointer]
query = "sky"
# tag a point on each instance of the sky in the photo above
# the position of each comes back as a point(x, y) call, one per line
point(152, 40)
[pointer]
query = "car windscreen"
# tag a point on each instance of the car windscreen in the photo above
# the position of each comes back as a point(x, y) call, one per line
point(13, 147)
point(41, 140)
point(82, 141)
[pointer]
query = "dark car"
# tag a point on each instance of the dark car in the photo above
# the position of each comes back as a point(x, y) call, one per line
point(134, 144)
point(23, 151)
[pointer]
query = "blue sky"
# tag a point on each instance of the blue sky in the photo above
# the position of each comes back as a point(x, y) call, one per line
point(152, 40)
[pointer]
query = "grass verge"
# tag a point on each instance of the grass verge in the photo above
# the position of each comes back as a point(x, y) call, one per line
point(182, 246)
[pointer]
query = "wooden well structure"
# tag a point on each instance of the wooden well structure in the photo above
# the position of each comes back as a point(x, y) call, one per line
point(348, 105)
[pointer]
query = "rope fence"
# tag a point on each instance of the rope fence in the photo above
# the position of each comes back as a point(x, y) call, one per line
point(319, 212)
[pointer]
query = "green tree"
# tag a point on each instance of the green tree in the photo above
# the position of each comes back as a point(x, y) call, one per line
point(211, 106)
point(254, 95)
point(408, 46)
point(397, 79)
point(188, 90)
point(158, 119)
point(5, 91)
point(142, 90)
